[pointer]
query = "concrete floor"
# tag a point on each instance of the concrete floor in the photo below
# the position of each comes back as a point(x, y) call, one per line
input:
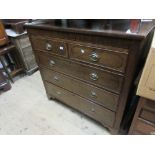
point(25, 109)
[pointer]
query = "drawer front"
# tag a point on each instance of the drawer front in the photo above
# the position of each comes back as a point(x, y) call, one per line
point(97, 112)
point(97, 77)
point(148, 115)
point(50, 46)
point(102, 57)
point(144, 127)
point(90, 92)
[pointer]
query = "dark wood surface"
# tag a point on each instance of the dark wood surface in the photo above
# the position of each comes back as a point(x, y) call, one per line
point(144, 119)
point(98, 95)
point(142, 32)
point(119, 54)
point(95, 111)
point(105, 79)
point(16, 24)
point(15, 66)
point(52, 46)
point(113, 59)
point(7, 48)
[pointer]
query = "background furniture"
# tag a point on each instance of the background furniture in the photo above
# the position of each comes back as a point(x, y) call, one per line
point(3, 36)
point(10, 60)
point(88, 67)
point(16, 24)
point(17, 34)
point(9, 57)
point(22, 43)
point(4, 83)
point(146, 87)
point(144, 118)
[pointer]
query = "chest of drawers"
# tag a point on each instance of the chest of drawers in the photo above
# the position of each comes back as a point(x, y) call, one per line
point(91, 71)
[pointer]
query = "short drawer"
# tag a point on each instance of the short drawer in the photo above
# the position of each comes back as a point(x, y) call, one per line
point(148, 115)
point(98, 56)
point(97, 112)
point(100, 78)
point(144, 127)
point(98, 95)
point(49, 45)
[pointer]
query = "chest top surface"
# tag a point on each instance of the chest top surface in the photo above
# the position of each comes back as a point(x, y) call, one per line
point(130, 29)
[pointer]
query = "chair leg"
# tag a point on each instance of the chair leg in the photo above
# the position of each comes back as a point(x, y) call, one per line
point(6, 70)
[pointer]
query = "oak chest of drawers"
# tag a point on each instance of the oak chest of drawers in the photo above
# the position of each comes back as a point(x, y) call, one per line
point(89, 70)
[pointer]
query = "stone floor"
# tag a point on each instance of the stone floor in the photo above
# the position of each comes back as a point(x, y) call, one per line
point(25, 109)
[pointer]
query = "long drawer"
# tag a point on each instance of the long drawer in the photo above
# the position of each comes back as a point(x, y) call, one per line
point(144, 127)
point(147, 115)
point(95, 111)
point(115, 60)
point(100, 78)
point(98, 95)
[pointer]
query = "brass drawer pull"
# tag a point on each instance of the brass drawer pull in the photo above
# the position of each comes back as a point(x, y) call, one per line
point(52, 63)
point(94, 57)
point(92, 109)
point(56, 78)
point(58, 93)
point(93, 94)
point(82, 51)
point(61, 48)
point(48, 46)
point(93, 76)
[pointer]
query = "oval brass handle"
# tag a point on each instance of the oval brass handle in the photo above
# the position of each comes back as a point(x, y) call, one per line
point(93, 76)
point(58, 93)
point(61, 48)
point(92, 109)
point(93, 94)
point(94, 56)
point(52, 63)
point(48, 46)
point(56, 78)
point(82, 51)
